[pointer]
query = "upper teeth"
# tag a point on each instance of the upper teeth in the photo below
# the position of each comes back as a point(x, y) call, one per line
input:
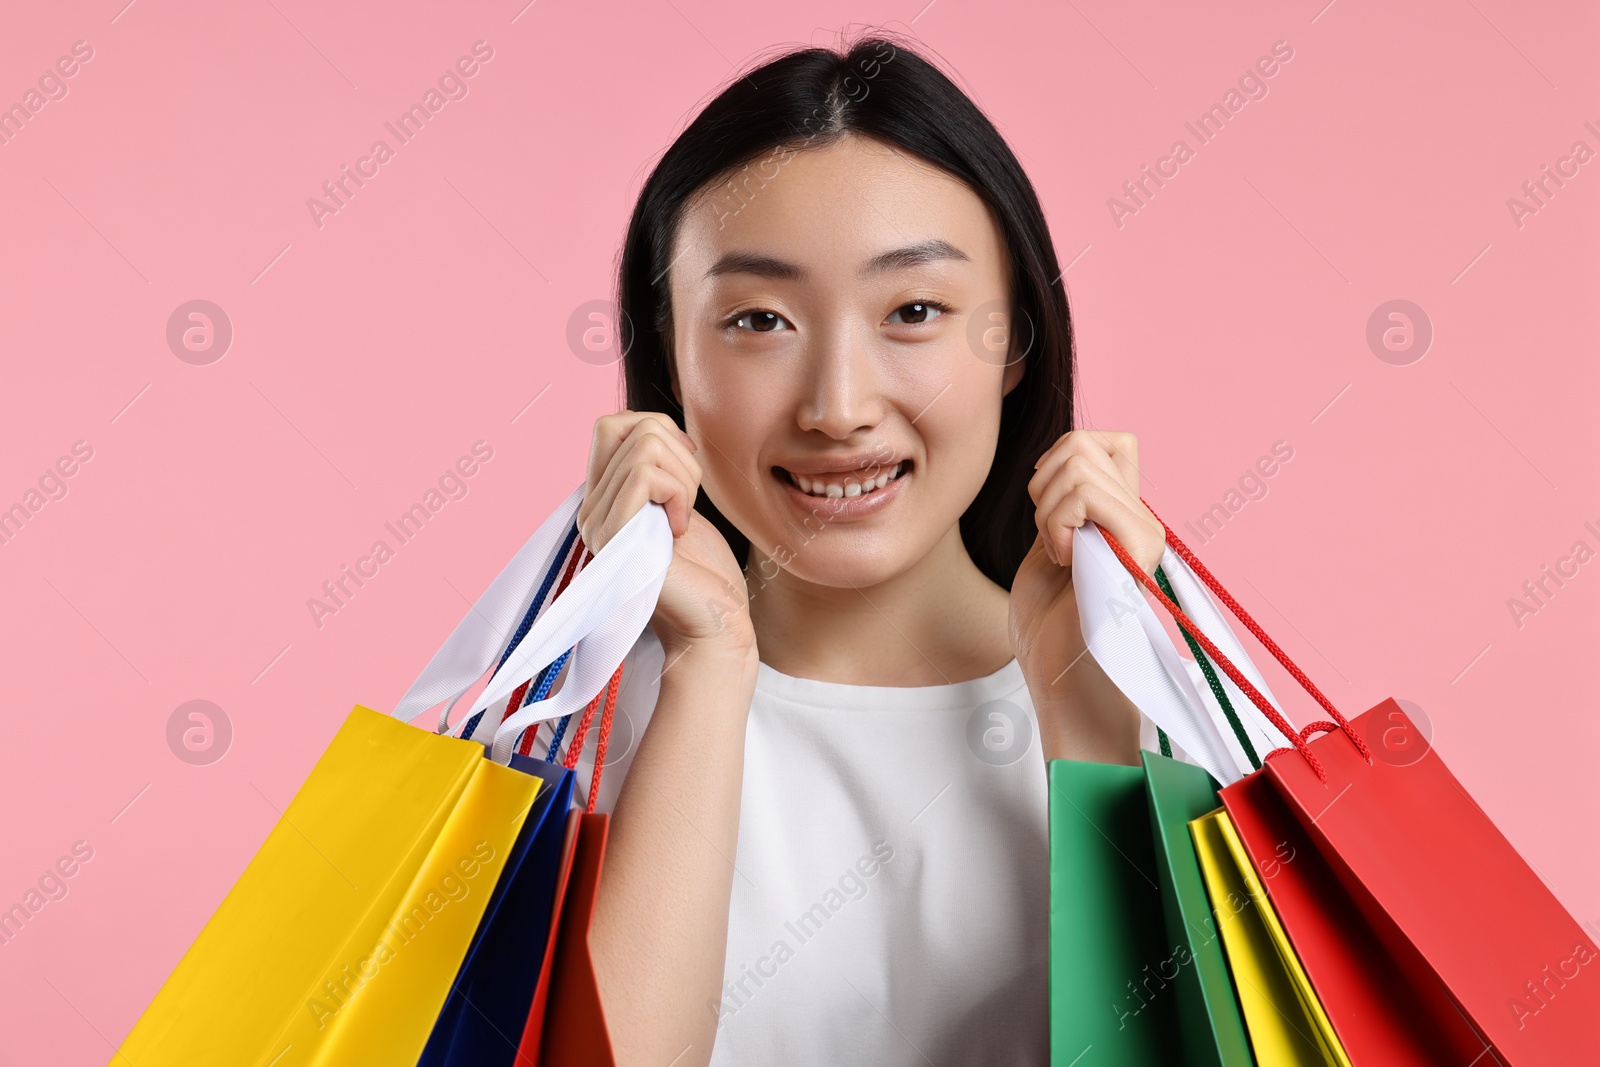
point(854, 484)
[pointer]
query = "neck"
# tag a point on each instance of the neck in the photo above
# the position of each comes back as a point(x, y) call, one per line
point(940, 621)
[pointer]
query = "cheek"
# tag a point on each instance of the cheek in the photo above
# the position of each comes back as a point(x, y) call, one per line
point(728, 404)
point(960, 430)
point(731, 410)
point(961, 441)
point(954, 398)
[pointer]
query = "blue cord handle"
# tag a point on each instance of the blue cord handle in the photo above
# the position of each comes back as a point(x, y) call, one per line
point(527, 619)
point(556, 736)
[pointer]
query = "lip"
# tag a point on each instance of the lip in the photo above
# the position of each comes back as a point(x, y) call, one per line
point(845, 464)
point(842, 508)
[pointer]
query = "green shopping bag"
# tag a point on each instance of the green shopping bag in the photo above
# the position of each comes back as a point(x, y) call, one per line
point(1136, 973)
point(1106, 931)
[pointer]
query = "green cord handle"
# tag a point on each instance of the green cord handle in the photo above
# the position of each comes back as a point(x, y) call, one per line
point(1211, 679)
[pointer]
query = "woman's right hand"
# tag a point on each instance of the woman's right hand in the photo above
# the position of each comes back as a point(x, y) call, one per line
point(639, 457)
point(659, 940)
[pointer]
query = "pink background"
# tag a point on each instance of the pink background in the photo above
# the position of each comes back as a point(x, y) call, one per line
point(1228, 313)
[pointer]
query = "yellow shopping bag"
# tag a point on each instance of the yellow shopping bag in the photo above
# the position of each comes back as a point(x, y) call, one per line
point(341, 939)
point(1285, 1020)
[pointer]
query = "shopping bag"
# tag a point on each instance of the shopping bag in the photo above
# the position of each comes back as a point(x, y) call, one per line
point(574, 1023)
point(1108, 944)
point(1136, 970)
point(1287, 1023)
point(1432, 875)
point(567, 1024)
point(1387, 1006)
point(533, 1028)
point(1425, 867)
point(483, 1018)
point(339, 941)
point(1209, 1018)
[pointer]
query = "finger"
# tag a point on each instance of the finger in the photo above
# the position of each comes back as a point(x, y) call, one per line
point(611, 430)
point(609, 433)
point(644, 424)
point(1132, 525)
point(640, 486)
point(648, 445)
point(1077, 470)
point(671, 428)
point(1072, 473)
point(612, 510)
point(1116, 450)
point(1093, 503)
point(1076, 443)
point(1123, 448)
point(594, 516)
point(645, 447)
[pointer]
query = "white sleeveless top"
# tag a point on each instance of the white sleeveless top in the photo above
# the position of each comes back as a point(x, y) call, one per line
point(890, 899)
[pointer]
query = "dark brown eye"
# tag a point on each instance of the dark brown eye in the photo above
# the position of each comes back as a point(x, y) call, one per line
point(915, 314)
point(761, 321)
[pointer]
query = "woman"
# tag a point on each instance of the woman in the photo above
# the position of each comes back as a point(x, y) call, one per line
point(849, 378)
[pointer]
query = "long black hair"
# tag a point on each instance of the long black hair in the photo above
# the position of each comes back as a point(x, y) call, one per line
point(807, 98)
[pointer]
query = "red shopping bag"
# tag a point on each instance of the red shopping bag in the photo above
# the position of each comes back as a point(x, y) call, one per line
point(1426, 867)
point(575, 1023)
point(1439, 889)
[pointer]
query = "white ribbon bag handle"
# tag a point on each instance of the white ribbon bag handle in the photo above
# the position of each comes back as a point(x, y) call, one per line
point(481, 637)
point(1197, 603)
point(599, 617)
point(1129, 643)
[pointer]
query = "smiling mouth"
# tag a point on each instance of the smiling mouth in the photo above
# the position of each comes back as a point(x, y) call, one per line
point(843, 483)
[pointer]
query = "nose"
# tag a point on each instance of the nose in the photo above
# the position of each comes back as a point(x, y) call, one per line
point(844, 394)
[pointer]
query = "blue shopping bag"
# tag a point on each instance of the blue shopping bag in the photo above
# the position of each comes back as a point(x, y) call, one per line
point(483, 1018)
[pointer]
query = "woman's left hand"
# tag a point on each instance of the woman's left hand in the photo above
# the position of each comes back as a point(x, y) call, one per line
point(1086, 476)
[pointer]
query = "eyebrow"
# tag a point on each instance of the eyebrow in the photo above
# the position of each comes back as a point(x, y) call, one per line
point(763, 266)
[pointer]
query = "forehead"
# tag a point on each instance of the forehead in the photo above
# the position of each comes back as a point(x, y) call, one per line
point(836, 207)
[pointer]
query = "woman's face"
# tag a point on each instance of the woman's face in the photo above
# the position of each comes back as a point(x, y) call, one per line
point(839, 326)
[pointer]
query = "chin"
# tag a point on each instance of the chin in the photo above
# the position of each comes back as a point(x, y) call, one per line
point(845, 563)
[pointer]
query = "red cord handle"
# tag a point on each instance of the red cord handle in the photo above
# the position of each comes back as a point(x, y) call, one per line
point(580, 734)
point(1211, 583)
point(1298, 738)
point(600, 743)
point(1217, 657)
